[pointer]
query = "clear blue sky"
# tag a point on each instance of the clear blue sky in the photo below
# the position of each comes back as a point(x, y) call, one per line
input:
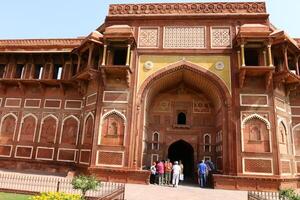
point(72, 18)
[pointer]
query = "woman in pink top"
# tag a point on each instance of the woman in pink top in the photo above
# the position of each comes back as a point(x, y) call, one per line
point(160, 170)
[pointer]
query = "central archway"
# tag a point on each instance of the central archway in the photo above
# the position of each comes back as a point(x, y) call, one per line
point(182, 151)
point(184, 76)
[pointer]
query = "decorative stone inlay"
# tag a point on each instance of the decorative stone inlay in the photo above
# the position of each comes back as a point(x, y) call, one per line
point(219, 65)
point(184, 37)
point(186, 8)
point(148, 37)
point(148, 65)
point(220, 37)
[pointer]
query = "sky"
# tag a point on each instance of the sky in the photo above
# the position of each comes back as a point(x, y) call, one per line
point(72, 18)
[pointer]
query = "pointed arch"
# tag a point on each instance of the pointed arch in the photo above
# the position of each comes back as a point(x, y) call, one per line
point(87, 125)
point(49, 126)
point(69, 131)
point(119, 128)
point(257, 116)
point(28, 128)
point(155, 140)
point(8, 127)
point(296, 139)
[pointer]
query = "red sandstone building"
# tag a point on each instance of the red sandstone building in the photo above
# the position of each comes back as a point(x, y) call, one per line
point(187, 81)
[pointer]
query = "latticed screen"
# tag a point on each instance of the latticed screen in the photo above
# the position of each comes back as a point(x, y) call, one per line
point(184, 37)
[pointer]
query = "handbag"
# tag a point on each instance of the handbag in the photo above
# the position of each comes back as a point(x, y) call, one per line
point(181, 177)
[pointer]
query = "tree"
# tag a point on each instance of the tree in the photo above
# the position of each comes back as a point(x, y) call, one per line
point(85, 183)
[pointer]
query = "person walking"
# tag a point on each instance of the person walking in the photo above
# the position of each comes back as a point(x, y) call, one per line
point(202, 171)
point(181, 176)
point(153, 173)
point(160, 171)
point(168, 171)
point(176, 173)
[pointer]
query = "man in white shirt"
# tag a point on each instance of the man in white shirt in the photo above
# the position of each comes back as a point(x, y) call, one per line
point(176, 173)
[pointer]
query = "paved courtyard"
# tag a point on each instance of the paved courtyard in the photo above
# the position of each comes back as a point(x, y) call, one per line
point(155, 192)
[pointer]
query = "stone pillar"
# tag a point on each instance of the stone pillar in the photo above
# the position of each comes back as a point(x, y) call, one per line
point(270, 55)
point(78, 62)
point(285, 56)
point(243, 55)
point(297, 64)
point(104, 55)
point(239, 58)
point(128, 55)
point(90, 61)
point(265, 58)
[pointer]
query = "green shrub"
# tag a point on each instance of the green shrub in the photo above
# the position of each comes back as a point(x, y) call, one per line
point(290, 194)
point(85, 183)
point(56, 196)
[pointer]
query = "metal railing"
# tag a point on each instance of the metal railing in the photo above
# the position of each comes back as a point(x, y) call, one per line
point(259, 195)
point(25, 183)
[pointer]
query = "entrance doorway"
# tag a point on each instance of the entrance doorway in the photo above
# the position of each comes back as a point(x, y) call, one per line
point(181, 150)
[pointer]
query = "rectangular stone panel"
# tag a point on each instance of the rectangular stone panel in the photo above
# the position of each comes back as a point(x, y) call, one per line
point(5, 150)
point(148, 37)
point(32, 103)
point(115, 96)
point(91, 99)
point(13, 102)
point(51, 103)
point(220, 37)
point(258, 166)
point(85, 156)
point(298, 167)
point(73, 104)
point(44, 153)
point(285, 167)
point(296, 111)
point(66, 155)
point(24, 152)
point(254, 100)
point(110, 158)
point(184, 37)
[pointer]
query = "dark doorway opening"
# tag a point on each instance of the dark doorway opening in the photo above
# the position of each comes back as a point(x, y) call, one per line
point(183, 151)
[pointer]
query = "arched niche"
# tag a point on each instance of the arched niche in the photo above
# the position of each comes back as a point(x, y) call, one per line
point(8, 128)
point(282, 138)
point(296, 135)
point(28, 128)
point(113, 129)
point(70, 129)
point(87, 136)
point(255, 134)
point(48, 130)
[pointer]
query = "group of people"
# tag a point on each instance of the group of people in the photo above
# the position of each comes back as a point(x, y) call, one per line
point(162, 172)
point(205, 171)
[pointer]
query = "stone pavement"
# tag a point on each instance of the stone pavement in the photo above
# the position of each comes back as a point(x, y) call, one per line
point(155, 192)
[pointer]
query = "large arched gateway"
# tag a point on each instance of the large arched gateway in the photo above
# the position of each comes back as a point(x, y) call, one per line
point(183, 101)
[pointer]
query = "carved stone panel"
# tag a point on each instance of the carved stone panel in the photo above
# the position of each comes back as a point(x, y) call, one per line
point(220, 37)
point(69, 132)
point(7, 129)
point(148, 37)
point(113, 128)
point(48, 130)
point(28, 129)
point(256, 136)
point(88, 130)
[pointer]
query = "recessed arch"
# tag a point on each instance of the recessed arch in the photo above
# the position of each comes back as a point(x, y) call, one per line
point(296, 139)
point(27, 126)
point(51, 128)
point(255, 115)
point(9, 125)
point(105, 116)
point(70, 117)
point(90, 114)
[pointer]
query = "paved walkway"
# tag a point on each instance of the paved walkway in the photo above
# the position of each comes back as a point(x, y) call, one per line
point(155, 192)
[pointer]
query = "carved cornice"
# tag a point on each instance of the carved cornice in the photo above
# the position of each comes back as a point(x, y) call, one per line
point(187, 8)
point(41, 42)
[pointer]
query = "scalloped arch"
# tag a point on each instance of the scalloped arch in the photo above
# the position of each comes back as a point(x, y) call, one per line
point(257, 116)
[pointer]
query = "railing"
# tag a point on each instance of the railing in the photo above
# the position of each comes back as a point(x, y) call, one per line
point(257, 195)
point(32, 184)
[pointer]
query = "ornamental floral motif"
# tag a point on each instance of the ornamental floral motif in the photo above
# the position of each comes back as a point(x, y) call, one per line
point(187, 8)
point(220, 37)
point(148, 37)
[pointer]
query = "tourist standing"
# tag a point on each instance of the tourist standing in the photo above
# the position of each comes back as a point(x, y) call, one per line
point(153, 173)
point(210, 169)
point(168, 171)
point(202, 170)
point(160, 172)
point(176, 173)
point(181, 176)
